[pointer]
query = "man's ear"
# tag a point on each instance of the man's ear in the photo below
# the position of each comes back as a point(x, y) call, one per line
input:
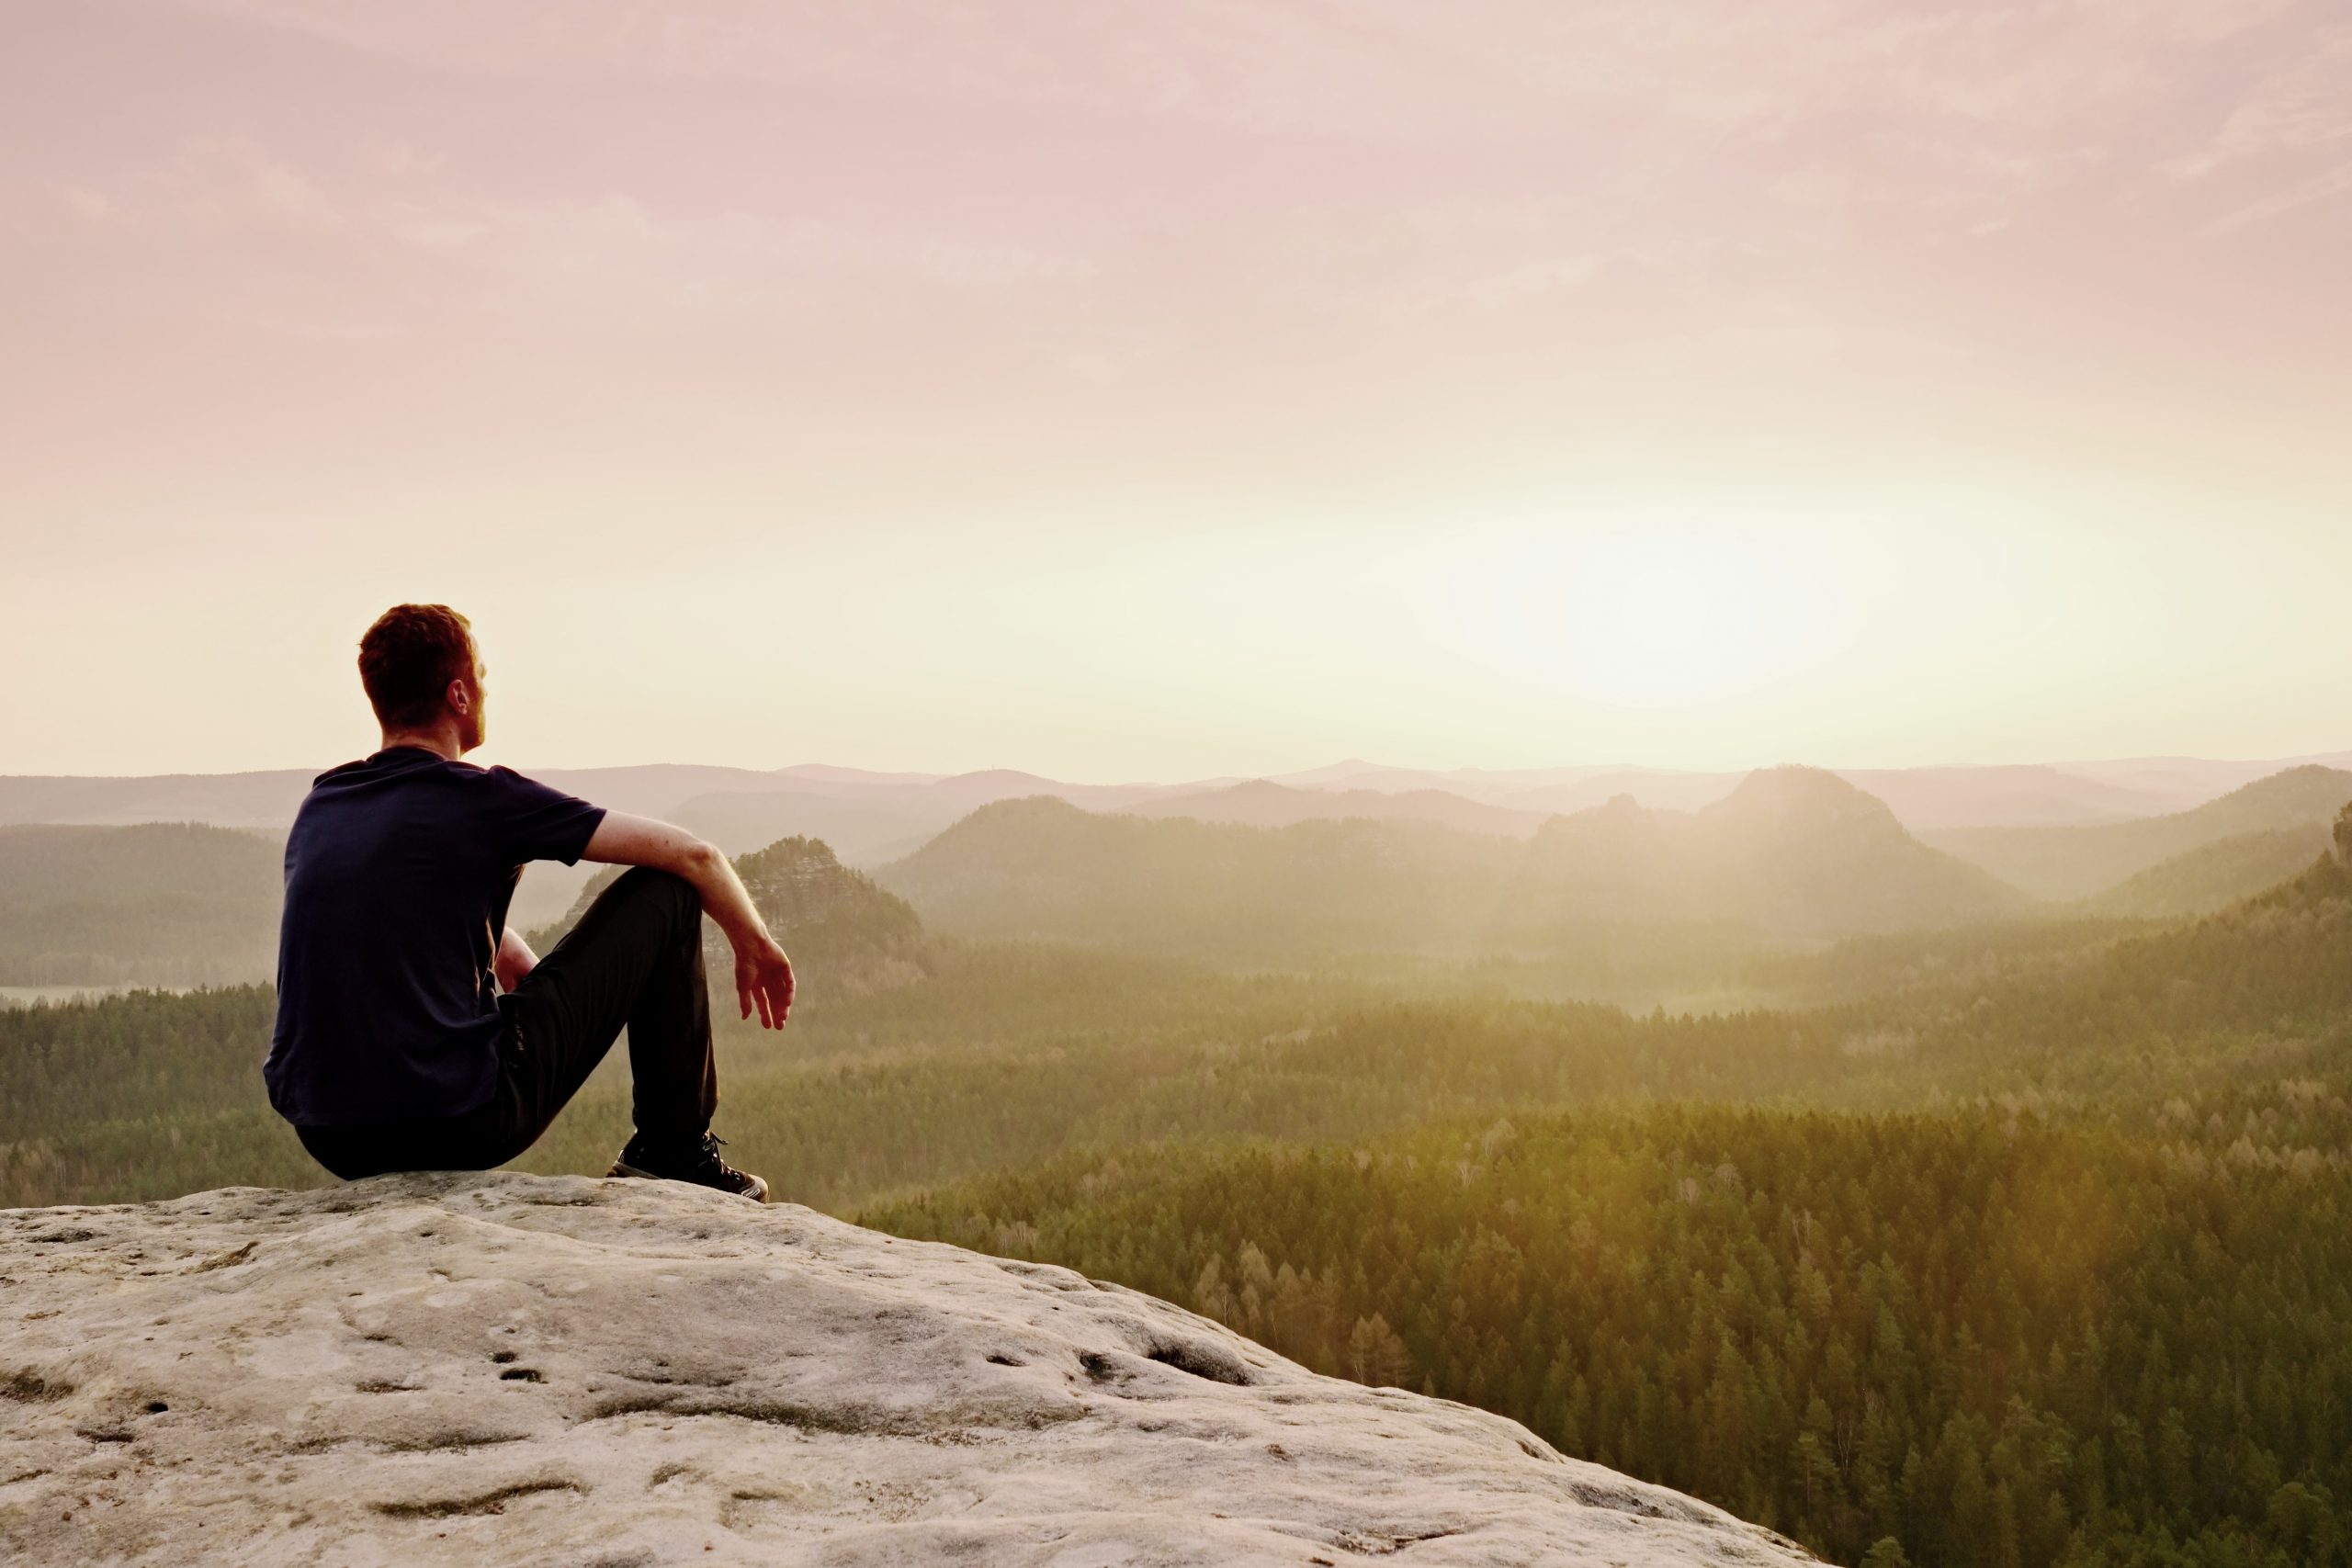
point(459, 698)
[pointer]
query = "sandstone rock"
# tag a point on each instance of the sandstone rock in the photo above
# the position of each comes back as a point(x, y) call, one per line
point(506, 1368)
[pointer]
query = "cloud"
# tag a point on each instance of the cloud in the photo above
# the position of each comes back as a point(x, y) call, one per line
point(216, 186)
point(235, 189)
point(2320, 187)
point(2305, 103)
point(1948, 119)
point(1382, 68)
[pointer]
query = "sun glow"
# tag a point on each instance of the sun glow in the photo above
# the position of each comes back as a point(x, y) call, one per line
point(1645, 614)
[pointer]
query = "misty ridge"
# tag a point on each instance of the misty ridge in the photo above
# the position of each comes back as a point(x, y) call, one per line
point(1667, 882)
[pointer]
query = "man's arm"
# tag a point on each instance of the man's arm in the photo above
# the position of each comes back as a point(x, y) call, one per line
point(763, 973)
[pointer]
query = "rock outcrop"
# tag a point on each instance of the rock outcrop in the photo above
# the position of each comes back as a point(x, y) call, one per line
point(833, 921)
point(506, 1368)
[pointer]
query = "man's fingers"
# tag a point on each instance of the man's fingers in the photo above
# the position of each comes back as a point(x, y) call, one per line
point(768, 986)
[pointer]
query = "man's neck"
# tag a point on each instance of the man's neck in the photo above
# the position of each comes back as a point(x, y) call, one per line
point(441, 742)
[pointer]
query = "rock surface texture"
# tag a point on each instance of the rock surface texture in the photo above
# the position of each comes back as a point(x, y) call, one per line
point(507, 1368)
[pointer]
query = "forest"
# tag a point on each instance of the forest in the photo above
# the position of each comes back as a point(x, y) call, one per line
point(2010, 1244)
point(1988, 1338)
point(153, 904)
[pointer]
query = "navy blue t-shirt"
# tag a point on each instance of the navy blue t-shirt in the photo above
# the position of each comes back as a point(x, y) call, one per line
point(397, 873)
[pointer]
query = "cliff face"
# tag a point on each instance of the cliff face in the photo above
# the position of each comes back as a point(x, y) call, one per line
point(506, 1368)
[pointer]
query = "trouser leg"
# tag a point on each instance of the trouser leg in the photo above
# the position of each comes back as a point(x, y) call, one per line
point(635, 959)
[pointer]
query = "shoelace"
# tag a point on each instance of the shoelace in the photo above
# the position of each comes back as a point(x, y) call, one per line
point(705, 1156)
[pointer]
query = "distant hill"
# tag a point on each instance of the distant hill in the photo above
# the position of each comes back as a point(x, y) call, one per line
point(159, 904)
point(870, 819)
point(2186, 783)
point(2265, 982)
point(228, 800)
point(1792, 850)
point(2031, 797)
point(1261, 803)
point(1478, 783)
point(1044, 868)
point(2081, 863)
point(1658, 791)
point(1921, 799)
point(844, 933)
point(2213, 876)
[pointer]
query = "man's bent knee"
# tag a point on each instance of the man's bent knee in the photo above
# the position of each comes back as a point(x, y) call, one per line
point(651, 883)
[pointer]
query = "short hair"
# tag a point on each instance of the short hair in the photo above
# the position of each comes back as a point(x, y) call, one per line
point(408, 659)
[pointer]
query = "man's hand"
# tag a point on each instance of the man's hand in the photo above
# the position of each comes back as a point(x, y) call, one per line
point(764, 976)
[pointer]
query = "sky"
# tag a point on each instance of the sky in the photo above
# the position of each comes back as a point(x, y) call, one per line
point(1166, 389)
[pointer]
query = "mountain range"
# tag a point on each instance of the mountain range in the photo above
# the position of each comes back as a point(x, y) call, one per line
point(871, 818)
point(1342, 860)
point(1790, 851)
point(2237, 841)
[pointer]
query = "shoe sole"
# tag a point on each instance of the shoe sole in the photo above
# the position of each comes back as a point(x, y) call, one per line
point(758, 1194)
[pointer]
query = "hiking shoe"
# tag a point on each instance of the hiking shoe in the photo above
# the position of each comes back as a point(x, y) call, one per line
point(697, 1162)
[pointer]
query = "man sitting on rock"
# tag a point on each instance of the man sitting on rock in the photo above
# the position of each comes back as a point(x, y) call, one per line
point(415, 1029)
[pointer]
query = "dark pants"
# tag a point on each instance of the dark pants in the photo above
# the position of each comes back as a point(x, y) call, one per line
point(635, 958)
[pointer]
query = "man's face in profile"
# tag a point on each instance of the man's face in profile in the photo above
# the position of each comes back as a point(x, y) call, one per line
point(475, 725)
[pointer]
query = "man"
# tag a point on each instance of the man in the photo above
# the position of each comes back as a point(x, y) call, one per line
point(415, 1029)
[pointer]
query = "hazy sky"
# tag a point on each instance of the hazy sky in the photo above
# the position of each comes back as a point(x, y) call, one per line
point(1164, 388)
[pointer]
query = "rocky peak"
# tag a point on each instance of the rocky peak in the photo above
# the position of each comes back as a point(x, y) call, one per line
point(1778, 799)
point(827, 915)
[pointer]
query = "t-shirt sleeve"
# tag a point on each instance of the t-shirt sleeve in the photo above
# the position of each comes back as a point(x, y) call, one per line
point(530, 820)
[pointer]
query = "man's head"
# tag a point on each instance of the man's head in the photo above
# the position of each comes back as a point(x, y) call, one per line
point(422, 672)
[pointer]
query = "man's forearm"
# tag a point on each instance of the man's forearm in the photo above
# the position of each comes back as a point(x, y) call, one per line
point(724, 897)
point(624, 840)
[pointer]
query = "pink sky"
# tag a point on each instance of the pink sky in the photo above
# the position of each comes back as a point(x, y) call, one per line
point(913, 385)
